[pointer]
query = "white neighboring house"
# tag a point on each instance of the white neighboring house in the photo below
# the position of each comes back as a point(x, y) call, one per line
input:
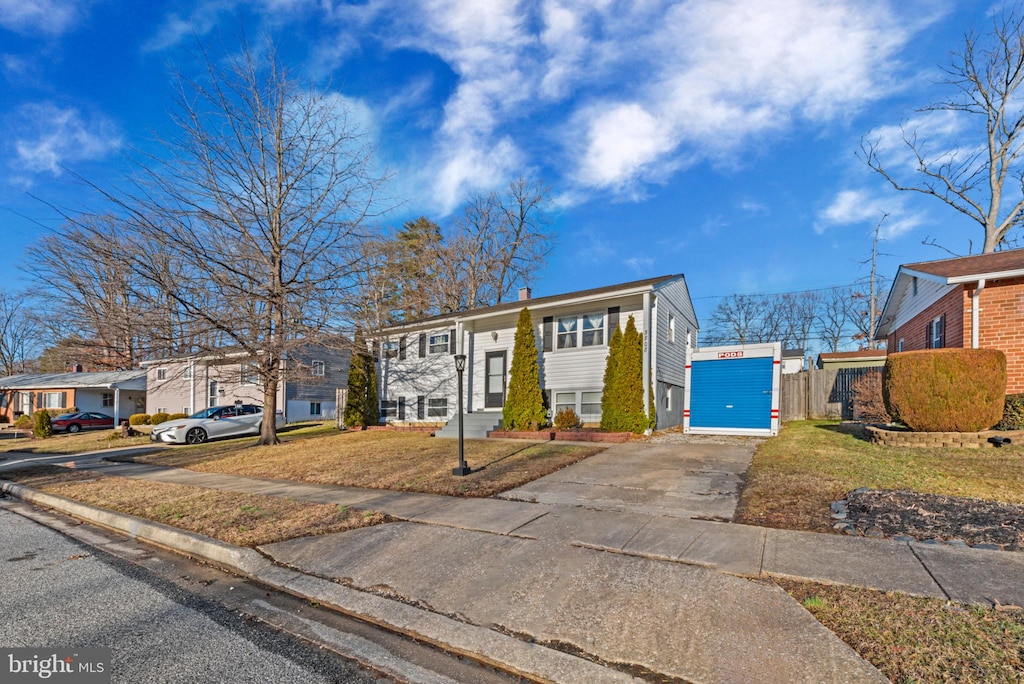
point(416, 369)
point(115, 393)
point(308, 390)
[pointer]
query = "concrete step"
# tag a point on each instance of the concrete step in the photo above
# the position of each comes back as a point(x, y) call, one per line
point(474, 425)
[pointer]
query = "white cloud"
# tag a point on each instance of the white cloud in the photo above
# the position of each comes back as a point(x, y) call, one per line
point(52, 17)
point(861, 207)
point(48, 137)
point(639, 264)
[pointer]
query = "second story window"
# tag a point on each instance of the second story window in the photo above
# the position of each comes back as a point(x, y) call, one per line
point(439, 343)
point(567, 332)
point(161, 373)
point(317, 368)
point(593, 330)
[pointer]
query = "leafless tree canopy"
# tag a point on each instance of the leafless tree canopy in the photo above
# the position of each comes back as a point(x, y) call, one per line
point(982, 179)
point(19, 334)
point(246, 230)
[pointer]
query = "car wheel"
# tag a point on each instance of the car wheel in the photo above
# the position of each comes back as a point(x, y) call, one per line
point(73, 428)
point(195, 436)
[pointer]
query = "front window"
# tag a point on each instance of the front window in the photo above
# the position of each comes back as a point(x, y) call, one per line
point(565, 400)
point(899, 345)
point(52, 400)
point(161, 373)
point(388, 409)
point(439, 343)
point(108, 399)
point(318, 368)
point(314, 408)
point(590, 407)
point(567, 333)
point(936, 333)
point(389, 349)
point(593, 330)
point(437, 408)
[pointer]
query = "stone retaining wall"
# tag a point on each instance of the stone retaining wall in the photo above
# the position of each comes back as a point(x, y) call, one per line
point(967, 440)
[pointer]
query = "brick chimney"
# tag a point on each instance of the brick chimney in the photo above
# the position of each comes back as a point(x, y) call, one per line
point(524, 293)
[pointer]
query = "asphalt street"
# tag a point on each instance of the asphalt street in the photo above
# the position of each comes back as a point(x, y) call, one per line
point(55, 592)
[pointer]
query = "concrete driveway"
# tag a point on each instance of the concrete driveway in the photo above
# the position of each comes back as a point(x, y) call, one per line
point(683, 480)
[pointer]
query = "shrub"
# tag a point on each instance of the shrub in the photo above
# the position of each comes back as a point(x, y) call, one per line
point(623, 397)
point(524, 405)
point(24, 422)
point(1013, 413)
point(362, 405)
point(138, 419)
point(174, 416)
point(946, 390)
point(43, 428)
point(157, 418)
point(566, 419)
point(868, 403)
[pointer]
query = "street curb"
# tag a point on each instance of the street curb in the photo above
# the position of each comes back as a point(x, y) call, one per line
point(529, 660)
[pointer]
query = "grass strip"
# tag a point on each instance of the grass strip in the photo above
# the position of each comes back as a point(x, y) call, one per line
point(913, 639)
point(232, 517)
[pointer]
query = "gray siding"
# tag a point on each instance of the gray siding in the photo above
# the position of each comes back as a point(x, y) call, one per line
point(670, 356)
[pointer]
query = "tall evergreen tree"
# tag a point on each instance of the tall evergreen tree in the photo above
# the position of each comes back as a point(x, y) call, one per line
point(524, 407)
point(361, 406)
point(609, 407)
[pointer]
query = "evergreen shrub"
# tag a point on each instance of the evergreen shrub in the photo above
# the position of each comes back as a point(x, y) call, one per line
point(138, 419)
point(175, 416)
point(946, 390)
point(42, 428)
point(1013, 413)
point(159, 417)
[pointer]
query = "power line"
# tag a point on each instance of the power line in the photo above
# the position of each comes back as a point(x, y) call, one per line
point(859, 281)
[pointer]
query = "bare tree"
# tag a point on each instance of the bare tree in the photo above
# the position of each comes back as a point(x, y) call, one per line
point(835, 314)
point(797, 313)
point(981, 179)
point(258, 208)
point(739, 319)
point(19, 333)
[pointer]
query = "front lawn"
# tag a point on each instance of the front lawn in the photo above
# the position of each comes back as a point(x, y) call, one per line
point(232, 517)
point(794, 477)
point(383, 459)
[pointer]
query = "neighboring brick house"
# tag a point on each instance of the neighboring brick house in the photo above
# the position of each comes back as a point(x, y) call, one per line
point(307, 391)
point(115, 393)
point(971, 302)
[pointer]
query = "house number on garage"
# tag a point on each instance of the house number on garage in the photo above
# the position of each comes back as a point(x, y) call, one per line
point(730, 355)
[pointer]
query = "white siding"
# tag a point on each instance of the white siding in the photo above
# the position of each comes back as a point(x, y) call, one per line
point(429, 376)
point(928, 292)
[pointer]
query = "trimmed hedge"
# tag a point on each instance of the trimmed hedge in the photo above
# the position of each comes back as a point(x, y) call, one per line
point(159, 417)
point(1013, 413)
point(945, 390)
point(43, 428)
point(175, 416)
point(138, 419)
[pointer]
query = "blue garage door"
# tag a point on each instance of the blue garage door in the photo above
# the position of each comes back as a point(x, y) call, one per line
point(731, 393)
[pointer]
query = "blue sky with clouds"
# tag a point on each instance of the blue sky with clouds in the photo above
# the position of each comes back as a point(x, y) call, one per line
point(716, 138)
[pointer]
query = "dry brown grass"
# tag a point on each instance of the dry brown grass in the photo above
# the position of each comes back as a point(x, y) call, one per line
point(240, 519)
point(918, 639)
point(380, 459)
point(795, 476)
point(90, 440)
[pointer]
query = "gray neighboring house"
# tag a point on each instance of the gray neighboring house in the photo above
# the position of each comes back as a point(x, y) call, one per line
point(308, 390)
point(115, 393)
point(417, 375)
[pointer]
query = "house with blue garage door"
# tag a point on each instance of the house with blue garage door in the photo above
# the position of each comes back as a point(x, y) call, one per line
point(416, 369)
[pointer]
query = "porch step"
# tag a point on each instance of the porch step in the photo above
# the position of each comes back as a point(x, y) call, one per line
point(474, 426)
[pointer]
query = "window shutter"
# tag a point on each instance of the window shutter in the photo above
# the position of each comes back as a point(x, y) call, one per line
point(549, 323)
point(420, 401)
point(401, 408)
point(401, 349)
point(376, 350)
point(63, 399)
point(928, 335)
point(452, 347)
point(942, 332)
point(613, 320)
point(423, 345)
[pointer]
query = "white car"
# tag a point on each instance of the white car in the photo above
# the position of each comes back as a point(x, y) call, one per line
point(213, 423)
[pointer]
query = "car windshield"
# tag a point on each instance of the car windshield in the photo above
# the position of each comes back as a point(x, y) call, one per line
point(65, 416)
point(208, 413)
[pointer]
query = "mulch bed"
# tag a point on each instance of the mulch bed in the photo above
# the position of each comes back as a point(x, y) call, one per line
point(933, 516)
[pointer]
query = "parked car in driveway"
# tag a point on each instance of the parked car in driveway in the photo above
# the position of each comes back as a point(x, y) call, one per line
point(74, 422)
point(213, 423)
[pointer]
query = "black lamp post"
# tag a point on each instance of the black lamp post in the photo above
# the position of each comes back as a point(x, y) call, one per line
point(460, 366)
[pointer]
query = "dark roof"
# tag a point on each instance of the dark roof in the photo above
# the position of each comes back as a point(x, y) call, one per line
point(852, 355)
point(551, 299)
point(977, 265)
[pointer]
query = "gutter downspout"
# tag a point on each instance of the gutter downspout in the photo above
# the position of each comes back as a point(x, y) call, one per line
point(117, 404)
point(192, 386)
point(646, 374)
point(975, 302)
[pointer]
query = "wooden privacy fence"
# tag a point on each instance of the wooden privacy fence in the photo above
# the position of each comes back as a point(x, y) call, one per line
point(819, 394)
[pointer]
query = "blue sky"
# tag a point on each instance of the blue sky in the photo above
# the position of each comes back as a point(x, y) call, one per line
point(715, 138)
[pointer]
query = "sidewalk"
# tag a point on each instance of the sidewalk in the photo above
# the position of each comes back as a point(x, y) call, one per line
point(650, 593)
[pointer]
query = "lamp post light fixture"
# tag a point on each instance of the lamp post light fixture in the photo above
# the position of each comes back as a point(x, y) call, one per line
point(460, 366)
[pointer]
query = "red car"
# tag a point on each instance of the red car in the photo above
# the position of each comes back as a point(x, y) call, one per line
point(73, 422)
